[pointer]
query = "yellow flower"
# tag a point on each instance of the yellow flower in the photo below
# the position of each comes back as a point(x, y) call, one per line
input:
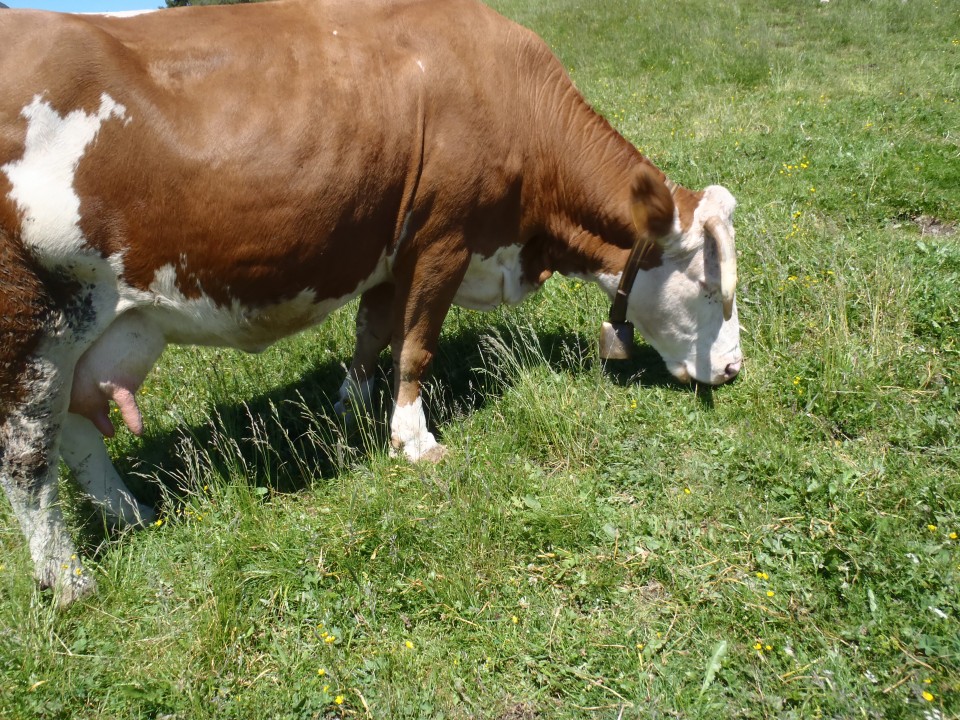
point(515, 619)
point(928, 696)
point(768, 648)
point(330, 639)
point(158, 523)
point(927, 681)
point(953, 536)
point(686, 491)
point(932, 528)
point(409, 645)
point(770, 593)
point(321, 672)
point(758, 646)
point(763, 576)
point(338, 699)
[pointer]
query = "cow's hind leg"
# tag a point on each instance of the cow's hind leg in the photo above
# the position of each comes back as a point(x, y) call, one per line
point(374, 327)
point(85, 454)
point(44, 324)
point(29, 437)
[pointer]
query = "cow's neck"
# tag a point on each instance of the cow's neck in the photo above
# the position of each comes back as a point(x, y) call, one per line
point(585, 170)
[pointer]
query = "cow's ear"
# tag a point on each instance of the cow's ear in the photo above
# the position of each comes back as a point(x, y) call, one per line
point(651, 204)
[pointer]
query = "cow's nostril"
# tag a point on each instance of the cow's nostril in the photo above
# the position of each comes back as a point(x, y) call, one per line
point(733, 369)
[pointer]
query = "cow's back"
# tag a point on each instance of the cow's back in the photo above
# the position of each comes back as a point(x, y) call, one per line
point(261, 143)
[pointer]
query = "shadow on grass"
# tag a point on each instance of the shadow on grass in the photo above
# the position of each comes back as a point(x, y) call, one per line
point(289, 437)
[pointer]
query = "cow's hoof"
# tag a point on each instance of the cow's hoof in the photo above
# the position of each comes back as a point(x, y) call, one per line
point(142, 516)
point(132, 515)
point(75, 588)
point(434, 453)
point(68, 580)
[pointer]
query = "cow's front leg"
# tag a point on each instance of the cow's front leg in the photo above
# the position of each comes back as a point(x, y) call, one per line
point(29, 438)
point(85, 454)
point(373, 328)
point(425, 292)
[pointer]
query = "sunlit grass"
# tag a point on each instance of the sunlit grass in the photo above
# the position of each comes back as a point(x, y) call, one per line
point(601, 542)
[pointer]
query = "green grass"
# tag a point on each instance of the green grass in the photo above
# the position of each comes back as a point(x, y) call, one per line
point(601, 542)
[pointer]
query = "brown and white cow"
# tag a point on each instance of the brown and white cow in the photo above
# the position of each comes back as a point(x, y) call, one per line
point(230, 175)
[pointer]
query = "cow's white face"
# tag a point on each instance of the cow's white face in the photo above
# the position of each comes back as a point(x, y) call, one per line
point(685, 308)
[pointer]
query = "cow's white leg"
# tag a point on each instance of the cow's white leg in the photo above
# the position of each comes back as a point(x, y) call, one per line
point(408, 432)
point(373, 327)
point(29, 438)
point(85, 454)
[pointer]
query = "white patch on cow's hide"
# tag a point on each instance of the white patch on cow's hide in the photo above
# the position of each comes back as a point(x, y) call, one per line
point(494, 280)
point(42, 180)
point(201, 321)
point(610, 282)
point(408, 430)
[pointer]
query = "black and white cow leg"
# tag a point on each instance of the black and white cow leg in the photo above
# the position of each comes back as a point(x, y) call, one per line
point(29, 468)
point(81, 445)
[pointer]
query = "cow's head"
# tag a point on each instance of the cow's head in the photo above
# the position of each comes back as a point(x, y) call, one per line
point(685, 307)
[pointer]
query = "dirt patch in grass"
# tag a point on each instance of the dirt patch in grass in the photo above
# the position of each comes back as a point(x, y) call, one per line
point(519, 711)
point(934, 226)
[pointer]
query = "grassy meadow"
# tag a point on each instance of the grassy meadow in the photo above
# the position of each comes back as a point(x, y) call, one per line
point(601, 542)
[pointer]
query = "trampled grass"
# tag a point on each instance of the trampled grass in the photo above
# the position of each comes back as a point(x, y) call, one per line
point(601, 542)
